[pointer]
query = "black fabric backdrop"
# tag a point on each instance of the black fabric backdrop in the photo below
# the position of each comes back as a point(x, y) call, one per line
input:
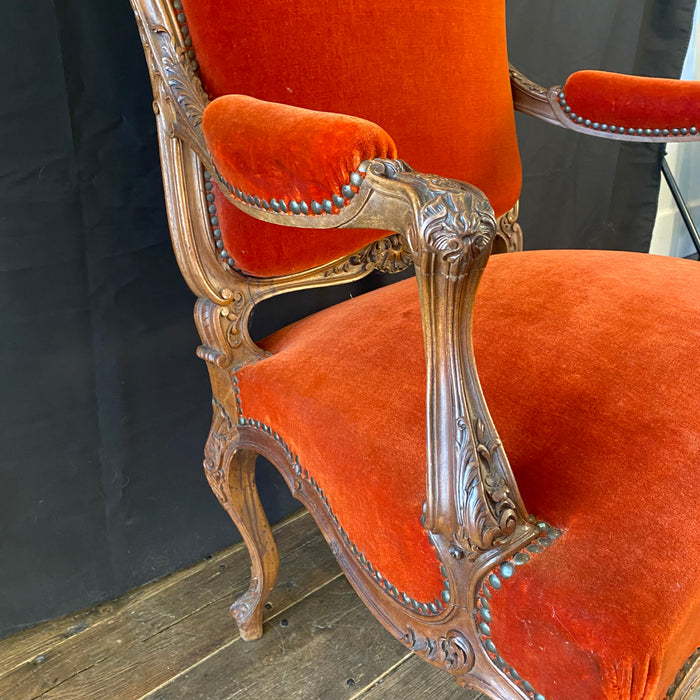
point(103, 406)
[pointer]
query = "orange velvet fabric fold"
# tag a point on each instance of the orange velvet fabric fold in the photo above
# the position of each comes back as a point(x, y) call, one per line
point(634, 102)
point(433, 75)
point(589, 363)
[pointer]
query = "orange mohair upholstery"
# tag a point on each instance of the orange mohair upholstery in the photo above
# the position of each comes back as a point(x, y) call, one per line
point(585, 362)
point(274, 151)
point(634, 102)
point(433, 74)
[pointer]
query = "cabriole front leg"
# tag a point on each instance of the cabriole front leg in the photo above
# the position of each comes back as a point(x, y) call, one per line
point(231, 475)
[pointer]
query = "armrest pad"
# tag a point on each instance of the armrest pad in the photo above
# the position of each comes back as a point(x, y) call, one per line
point(631, 104)
point(282, 158)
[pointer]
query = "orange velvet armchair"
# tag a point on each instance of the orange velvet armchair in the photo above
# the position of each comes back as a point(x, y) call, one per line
point(568, 569)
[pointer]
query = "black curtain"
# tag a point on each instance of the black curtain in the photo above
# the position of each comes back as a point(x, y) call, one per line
point(104, 408)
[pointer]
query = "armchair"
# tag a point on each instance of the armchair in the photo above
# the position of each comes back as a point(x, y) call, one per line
point(566, 569)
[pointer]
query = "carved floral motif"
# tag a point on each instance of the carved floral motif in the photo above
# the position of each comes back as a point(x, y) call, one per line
point(390, 255)
point(485, 509)
point(451, 219)
point(220, 434)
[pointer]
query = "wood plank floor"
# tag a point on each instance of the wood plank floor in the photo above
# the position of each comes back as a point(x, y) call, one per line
point(175, 640)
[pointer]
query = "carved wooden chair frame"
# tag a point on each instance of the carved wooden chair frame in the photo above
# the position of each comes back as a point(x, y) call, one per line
point(473, 511)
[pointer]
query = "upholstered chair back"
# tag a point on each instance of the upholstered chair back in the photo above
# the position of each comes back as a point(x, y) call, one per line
point(433, 74)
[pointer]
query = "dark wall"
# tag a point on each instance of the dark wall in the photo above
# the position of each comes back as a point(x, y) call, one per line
point(104, 407)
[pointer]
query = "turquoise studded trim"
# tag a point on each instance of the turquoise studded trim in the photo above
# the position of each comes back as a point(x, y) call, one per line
point(275, 205)
point(223, 254)
point(427, 609)
point(285, 205)
point(185, 31)
point(612, 129)
point(492, 584)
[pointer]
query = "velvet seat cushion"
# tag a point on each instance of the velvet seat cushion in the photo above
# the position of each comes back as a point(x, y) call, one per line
point(589, 363)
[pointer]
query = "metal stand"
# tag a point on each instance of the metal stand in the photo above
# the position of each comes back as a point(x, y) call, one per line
point(680, 203)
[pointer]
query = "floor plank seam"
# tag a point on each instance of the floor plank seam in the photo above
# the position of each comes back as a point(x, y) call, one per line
point(65, 680)
point(381, 677)
point(237, 639)
point(223, 596)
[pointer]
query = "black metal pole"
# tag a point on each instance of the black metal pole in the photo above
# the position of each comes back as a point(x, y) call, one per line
point(680, 203)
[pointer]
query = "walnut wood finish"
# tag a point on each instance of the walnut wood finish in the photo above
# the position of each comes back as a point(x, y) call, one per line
point(231, 475)
point(543, 103)
point(474, 514)
point(687, 680)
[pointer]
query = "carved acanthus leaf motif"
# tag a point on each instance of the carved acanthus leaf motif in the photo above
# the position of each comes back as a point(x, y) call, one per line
point(453, 651)
point(245, 606)
point(182, 81)
point(510, 230)
point(235, 333)
point(525, 83)
point(180, 85)
point(222, 430)
point(485, 509)
point(390, 255)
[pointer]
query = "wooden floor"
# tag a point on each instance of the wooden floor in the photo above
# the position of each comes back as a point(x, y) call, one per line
point(175, 639)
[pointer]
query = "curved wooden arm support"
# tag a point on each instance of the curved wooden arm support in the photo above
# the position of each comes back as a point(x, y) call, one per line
point(549, 104)
point(473, 506)
point(531, 98)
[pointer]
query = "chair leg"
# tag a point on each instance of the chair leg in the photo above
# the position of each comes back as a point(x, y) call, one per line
point(231, 474)
point(248, 515)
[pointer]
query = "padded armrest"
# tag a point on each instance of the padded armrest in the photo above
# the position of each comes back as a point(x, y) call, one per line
point(612, 105)
point(633, 105)
point(288, 159)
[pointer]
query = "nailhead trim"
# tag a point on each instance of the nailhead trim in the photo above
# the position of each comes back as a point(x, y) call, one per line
point(223, 254)
point(185, 31)
point(428, 609)
point(492, 584)
point(629, 131)
point(301, 207)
